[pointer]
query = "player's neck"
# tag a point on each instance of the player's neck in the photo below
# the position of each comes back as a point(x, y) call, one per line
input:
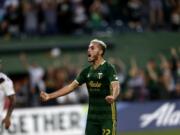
point(98, 62)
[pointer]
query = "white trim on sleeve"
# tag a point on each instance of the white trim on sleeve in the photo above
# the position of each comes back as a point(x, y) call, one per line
point(76, 82)
point(114, 82)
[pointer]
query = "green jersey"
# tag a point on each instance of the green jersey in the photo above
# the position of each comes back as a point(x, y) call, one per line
point(98, 82)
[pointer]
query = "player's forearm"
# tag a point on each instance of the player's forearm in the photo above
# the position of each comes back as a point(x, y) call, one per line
point(116, 93)
point(12, 99)
point(64, 91)
point(61, 92)
point(115, 89)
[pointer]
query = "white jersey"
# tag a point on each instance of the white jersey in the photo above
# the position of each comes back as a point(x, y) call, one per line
point(6, 89)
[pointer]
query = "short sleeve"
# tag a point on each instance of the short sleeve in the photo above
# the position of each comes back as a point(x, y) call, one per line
point(81, 78)
point(112, 74)
point(8, 88)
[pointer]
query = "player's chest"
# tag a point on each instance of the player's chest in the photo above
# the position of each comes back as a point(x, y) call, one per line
point(1, 92)
point(96, 75)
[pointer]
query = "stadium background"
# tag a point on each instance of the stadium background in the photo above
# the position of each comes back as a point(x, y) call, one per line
point(58, 48)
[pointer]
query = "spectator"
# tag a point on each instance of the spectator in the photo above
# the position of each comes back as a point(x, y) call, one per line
point(168, 6)
point(177, 77)
point(98, 14)
point(92, 16)
point(152, 79)
point(36, 74)
point(79, 17)
point(11, 20)
point(30, 19)
point(156, 14)
point(50, 84)
point(22, 92)
point(50, 17)
point(135, 15)
point(166, 80)
point(40, 17)
point(174, 63)
point(115, 8)
point(64, 16)
point(136, 82)
point(176, 93)
point(175, 18)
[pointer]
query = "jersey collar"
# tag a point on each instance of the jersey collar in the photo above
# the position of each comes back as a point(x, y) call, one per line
point(102, 62)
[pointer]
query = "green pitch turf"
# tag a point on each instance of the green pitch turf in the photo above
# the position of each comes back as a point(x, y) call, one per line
point(163, 132)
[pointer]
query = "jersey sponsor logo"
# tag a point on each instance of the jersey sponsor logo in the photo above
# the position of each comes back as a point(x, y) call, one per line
point(100, 75)
point(94, 84)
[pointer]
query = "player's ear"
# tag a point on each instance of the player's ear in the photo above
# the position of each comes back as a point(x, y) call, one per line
point(101, 52)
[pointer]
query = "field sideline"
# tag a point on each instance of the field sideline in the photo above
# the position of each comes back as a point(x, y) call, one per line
point(162, 132)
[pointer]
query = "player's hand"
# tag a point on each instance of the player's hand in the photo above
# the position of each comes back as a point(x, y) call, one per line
point(110, 99)
point(6, 122)
point(44, 96)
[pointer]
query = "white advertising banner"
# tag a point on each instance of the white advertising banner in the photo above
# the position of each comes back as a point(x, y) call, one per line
point(59, 120)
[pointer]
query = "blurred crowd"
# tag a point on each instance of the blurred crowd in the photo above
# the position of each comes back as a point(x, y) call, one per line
point(37, 78)
point(159, 79)
point(20, 18)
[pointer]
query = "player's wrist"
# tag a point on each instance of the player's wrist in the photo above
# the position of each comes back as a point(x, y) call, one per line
point(49, 97)
point(115, 97)
point(7, 118)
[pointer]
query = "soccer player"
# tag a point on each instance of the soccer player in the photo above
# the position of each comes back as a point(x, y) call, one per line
point(103, 87)
point(6, 90)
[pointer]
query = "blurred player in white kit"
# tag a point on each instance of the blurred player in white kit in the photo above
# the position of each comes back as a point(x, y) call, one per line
point(6, 90)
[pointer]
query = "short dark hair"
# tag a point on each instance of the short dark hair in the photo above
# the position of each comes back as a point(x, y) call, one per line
point(103, 49)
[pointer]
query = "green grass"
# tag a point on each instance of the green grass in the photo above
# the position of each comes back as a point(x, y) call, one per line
point(162, 132)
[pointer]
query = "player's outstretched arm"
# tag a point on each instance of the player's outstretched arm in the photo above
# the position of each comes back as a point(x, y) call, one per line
point(7, 120)
point(115, 92)
point(60, 92)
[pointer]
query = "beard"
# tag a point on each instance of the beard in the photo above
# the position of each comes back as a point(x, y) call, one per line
point(92, 58)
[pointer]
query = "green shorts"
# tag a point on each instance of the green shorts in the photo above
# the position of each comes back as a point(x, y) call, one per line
point(105, 127)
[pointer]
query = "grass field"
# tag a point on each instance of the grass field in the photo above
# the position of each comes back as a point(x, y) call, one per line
point(162, 132)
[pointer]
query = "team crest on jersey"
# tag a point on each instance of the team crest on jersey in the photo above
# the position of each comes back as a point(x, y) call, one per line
point(100, 75)
point(88, 75)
